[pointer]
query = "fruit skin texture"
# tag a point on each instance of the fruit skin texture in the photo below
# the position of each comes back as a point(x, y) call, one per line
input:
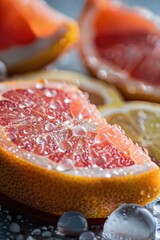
point(55, 192)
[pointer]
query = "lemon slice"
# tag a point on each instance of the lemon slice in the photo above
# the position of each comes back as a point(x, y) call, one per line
point(141, 122)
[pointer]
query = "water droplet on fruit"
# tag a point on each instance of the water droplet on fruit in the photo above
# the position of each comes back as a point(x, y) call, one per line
point(49, 126)
point(88, 235)
point(23, 106)
point(65, 164)
point(40, 85)
point(79, 131)
point(64, 146)
point(31, 91)
point(40, 140)
point(14, 227)
point(53, 105)
point(67, 100)
point(72, 223)
point(50, 93)
point(102, 74)
point(136, 224)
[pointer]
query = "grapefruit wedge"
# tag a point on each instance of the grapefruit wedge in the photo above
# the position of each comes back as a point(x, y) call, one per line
point(58, 154)
point(120, 44)
point(100, 93)
point(141, 122)
point(33, 34)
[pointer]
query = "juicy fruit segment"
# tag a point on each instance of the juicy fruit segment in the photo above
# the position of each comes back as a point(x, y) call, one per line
point(141, 122)
point(36, 35)
point(132, 47)
point(33, 19)
point(51, 152)
point(135, 52)
point(66, 128)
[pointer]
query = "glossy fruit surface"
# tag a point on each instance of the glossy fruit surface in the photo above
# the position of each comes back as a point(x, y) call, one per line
point(124, 53)
point(58, 154)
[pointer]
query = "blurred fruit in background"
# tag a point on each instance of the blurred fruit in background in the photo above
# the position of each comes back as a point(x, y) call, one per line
point(121, 45)
point(32, 34)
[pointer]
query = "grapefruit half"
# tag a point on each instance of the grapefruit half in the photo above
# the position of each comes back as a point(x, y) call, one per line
point(120, 44)
point(33, 34)
point(58, 154)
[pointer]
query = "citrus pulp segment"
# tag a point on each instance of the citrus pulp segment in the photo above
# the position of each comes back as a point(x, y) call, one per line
point(36, 36)
point(122, 53)
point(141, 122)
point(58, 154)
point(99, 93)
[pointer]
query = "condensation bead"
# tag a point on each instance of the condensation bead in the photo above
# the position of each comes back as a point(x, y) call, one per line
point(40, 85)
point(130, 221)
point(50, 93)
point(72, 223)
point(67, 100)
point(53, 105)
point(19, 237)
point(31, 91)
point(64, 146)
point(46, 234)
point(79, 131)
point(49, 126)
point(40, 140)
point(88, 235)
point(36, 232)
point(14, 227)
point(64, 165)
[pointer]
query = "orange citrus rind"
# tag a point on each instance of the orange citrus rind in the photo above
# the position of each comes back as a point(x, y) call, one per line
point(37, 181)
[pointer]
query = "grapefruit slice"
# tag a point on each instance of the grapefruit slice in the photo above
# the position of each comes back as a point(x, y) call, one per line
point(100, 93)
point(141, 122)
point(122, 52)
point(58, 154)
point(33, 34)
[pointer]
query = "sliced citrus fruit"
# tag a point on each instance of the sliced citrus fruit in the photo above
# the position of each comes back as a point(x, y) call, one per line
point(120, 44)
point(58, 154)
point(33, 34)
point(100, 93)
point(141, 122)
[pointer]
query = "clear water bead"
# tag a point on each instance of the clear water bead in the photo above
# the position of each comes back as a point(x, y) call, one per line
point(53, 105)
point(79, 131)
point(40, 85)
point(49, 126)
point(65, 164)
point(14, 227)
point(72, 223)
point(40, 140)
point(130, 222)
point(156, 208)
point(19, 237)
point(88, 235)
point(50, 93)
point(67, 100)
point(64, 146)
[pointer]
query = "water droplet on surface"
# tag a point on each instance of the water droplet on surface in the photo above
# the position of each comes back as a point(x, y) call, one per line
point(72, 223)
point(64, 146)
point(67, 100)
point(136, 224)
point(79, 131)
point(65, 164)
point(19, 237)
point(14, 227)
point(40, 140)
point(23, 106)
point(36, 232)
point(102, 74)
point(49, 126)
point(40, 85)
point(31, 91)
point(53, 105)
point(50, 93)
point(156, 209)
point(88, 235)
point(46, 234)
